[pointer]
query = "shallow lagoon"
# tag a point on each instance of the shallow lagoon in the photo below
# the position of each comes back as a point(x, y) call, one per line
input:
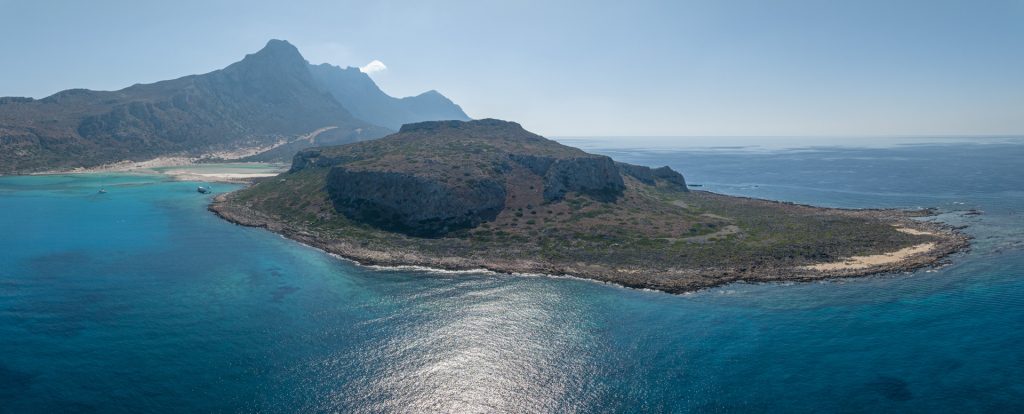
point(140, 300)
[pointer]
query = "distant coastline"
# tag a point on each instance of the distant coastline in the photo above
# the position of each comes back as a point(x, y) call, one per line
point(182, 168)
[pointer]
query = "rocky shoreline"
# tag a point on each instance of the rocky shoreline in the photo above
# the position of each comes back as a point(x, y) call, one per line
point(488, 194)
point(671, 280)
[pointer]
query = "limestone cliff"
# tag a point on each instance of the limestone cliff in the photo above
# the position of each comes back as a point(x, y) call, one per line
point(436, 177)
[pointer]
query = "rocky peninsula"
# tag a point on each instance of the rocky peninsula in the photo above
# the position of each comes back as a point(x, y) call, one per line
point(488, 194)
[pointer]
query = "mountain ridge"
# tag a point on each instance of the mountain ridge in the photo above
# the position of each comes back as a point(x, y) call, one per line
point(267, 100)
point(364, 99)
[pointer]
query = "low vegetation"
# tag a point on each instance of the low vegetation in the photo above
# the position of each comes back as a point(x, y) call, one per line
point(654, 235)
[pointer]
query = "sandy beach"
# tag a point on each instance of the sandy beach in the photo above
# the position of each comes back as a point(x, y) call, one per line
point(186, 169)
point(866, 262)
point(869, 261)
point(226, 172)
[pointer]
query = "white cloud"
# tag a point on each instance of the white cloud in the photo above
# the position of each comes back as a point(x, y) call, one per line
point(373, 67)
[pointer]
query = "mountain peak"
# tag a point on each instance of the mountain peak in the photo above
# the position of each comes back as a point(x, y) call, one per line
point(431, 94)
point(276, 52)
point(359, 94)
point(279, 46)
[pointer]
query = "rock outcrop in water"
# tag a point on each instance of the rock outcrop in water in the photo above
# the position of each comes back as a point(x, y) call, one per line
point(488, 194)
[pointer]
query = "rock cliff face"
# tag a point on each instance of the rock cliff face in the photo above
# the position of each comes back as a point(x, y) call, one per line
point(649, 176)
point(410, 204)
point(671, 176)
point(596, 176)
point(436, 177)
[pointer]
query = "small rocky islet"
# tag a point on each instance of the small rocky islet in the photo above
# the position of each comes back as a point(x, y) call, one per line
point(488, 194)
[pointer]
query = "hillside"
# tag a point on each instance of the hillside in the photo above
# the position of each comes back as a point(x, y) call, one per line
point(268, 105)
point(489, 194)
point(361, 96)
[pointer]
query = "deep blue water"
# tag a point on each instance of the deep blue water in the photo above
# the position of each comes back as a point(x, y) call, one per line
point(139, 300)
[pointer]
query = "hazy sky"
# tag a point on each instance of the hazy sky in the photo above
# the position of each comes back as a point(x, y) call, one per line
point(716, 67)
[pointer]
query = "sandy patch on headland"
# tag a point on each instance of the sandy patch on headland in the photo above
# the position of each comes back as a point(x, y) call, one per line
point(915, 232)
point(864, 262)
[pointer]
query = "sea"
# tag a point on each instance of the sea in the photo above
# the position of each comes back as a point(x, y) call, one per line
point(141, 301)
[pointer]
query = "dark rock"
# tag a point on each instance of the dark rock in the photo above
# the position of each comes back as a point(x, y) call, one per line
point(593, 176)
point(670, 175)
point(413, 205)
point(641, 173)
point(650, 176)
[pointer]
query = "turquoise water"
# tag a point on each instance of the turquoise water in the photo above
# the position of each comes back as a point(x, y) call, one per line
point(139, 300)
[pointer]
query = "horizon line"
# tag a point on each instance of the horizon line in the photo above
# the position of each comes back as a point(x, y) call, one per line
point(1017, 135)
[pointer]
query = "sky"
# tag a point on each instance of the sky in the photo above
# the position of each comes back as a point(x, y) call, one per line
point(586, 68)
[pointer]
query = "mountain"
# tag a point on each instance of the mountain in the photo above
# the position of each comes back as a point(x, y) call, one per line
point(266, 106)
point(361, 96)
point(489, 194)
